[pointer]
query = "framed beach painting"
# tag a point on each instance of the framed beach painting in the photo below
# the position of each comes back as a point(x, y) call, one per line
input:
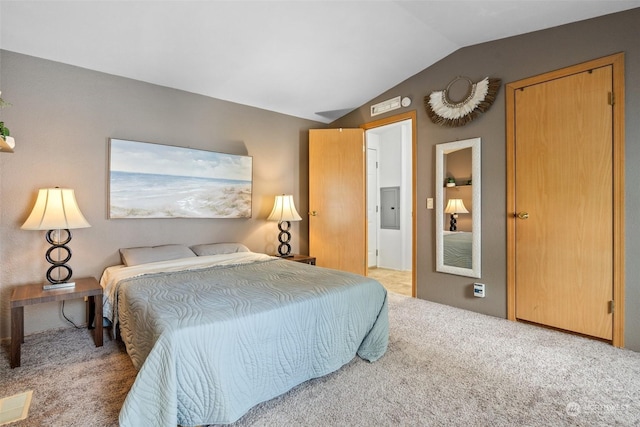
point(161, 181)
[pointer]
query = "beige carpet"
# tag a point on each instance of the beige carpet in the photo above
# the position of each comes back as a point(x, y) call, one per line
point(74, 383)
point(444, 367)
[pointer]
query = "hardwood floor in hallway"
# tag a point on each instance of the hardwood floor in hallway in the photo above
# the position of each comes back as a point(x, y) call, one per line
point(393, 280)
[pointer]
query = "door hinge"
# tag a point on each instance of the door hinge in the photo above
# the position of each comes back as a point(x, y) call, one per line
point(612, 306)
point(611, 98)
point(376, 252)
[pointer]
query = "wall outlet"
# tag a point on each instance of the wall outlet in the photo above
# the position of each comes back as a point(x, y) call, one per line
point(478, 290)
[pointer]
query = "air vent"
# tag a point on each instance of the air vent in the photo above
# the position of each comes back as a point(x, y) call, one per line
point(384, 106)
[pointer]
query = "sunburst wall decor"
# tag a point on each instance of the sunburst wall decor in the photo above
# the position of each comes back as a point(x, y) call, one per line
point(445, 112)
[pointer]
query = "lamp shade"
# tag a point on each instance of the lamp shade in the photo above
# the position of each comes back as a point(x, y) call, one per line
point(55, 208)
point(455, 206)
point(284, 209)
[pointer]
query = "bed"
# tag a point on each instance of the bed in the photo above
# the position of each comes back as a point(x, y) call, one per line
point(457, 247)
point(215, 334)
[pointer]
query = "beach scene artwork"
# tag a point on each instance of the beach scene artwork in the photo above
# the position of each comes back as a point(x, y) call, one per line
point(161, 181)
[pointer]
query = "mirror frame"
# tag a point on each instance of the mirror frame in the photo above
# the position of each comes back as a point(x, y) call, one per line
point(476, 208)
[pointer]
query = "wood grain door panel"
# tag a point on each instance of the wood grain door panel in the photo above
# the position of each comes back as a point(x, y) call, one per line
point(564, 181)
point(337, 199)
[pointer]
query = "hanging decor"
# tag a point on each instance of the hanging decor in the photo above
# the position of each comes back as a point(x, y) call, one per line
point(445, 112)
point(7, 143)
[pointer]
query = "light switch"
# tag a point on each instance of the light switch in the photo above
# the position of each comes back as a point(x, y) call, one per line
point(430, 203)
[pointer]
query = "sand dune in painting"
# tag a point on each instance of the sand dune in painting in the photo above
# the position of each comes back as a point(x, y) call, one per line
point(135, 195)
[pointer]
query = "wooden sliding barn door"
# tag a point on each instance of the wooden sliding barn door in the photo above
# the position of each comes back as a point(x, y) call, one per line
point(563, 221)
point(337, 199)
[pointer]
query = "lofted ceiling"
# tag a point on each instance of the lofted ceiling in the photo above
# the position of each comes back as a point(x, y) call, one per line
point(311, 59)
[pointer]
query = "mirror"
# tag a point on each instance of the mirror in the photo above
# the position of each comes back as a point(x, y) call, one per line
point(458, 207)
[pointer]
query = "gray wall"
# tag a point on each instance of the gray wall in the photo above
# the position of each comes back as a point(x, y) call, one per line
point(512, 59)
point(62, 117)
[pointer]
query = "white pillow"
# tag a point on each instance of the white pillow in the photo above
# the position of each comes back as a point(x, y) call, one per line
point(219, 248)
point(146, 254)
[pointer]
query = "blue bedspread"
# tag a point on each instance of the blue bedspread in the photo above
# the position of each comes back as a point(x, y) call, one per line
point(210, 343)
point(458, 249)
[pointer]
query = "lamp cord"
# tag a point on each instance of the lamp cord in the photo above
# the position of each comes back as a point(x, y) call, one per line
point(69, 320)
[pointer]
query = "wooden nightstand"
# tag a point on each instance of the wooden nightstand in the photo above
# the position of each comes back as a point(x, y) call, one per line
point(34, 294)
point(305, 259)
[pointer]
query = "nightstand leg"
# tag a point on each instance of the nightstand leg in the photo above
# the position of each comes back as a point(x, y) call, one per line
point(96, 303)
point(17, 334)
point(89, 312)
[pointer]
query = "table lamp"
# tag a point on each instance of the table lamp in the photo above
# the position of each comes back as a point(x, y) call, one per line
point(284, 211)
point(454, 207)
point(57, 211)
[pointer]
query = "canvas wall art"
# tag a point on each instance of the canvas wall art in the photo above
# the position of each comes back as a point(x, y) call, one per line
point(161, 181)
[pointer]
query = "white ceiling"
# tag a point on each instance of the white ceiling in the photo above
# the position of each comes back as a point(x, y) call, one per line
point(311, 59)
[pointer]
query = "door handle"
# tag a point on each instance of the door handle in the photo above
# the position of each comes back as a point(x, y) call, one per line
point(523, 215)
point(313, 213)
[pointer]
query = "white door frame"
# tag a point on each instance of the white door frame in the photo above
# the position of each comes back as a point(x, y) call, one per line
point(410, 115)
point(373, 203)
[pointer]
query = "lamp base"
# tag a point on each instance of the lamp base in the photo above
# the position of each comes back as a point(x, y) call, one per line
point(52, 286)
point(452, 223)
point(284, 249)
point(58, 265)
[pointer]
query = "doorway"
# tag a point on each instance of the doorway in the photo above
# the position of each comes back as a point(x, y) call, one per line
point(390, 185)
point(564, 195)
